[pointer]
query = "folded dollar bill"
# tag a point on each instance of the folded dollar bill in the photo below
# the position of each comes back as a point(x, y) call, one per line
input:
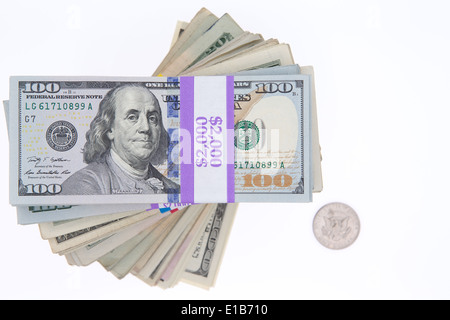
point(160, 140)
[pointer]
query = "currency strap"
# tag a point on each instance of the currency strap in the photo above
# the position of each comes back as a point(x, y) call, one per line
point(207, 139)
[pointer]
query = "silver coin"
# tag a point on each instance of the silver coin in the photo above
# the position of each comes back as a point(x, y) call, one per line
point(336, 226)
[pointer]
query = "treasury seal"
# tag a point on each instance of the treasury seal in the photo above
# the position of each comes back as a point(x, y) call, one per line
point(336, 226)
point(61, 135)
point(246, 135)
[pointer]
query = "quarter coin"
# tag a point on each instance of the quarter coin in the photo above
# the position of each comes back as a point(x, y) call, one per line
point(336, 226)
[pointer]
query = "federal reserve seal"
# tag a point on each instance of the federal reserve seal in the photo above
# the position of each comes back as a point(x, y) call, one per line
point(246, 135)
point(61, 135)
point(336, 226)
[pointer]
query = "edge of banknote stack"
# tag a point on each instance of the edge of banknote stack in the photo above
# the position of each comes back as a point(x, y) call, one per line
point(165, 243)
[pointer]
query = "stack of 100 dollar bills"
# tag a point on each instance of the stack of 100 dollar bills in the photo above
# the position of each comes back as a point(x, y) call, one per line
point(144, 175)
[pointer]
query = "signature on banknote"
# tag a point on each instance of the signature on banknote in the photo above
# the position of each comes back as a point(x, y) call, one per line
point(38, 160)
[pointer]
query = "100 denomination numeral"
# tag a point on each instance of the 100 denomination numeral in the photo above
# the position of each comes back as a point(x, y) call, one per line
point(40, 87)
point(40, 189)
point(264, 180)
point(273, 87)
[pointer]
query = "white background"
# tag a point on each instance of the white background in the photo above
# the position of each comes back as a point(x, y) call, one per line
point(383, 86)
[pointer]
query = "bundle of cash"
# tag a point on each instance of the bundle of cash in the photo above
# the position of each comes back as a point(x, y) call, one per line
point(144, 175)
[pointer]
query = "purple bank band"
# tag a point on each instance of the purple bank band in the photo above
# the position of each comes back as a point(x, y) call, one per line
point(194, 111)
point(153, 206)
point(186, 141)
point(230, 139)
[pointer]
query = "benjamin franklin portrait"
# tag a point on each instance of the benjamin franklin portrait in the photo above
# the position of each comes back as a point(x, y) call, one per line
point(125, 142)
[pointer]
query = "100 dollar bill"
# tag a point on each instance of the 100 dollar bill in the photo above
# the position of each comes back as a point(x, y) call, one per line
point(159, 140)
